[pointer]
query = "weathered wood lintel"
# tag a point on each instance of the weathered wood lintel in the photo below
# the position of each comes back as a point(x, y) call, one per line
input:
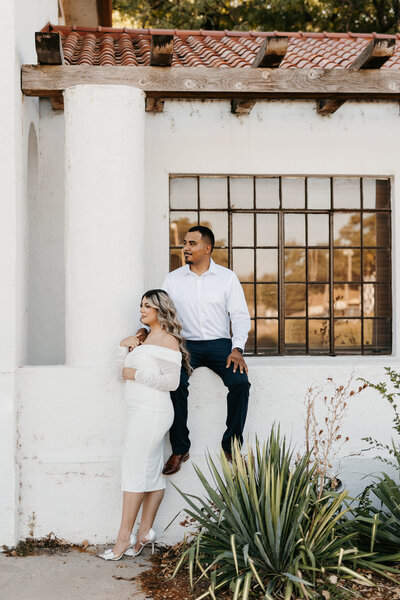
point(57, 101)
point(271, 52)
point(204, 82)
point(373, 56)
point(154, 104)
point(49, 48)
point(162, 49)
point(241, 107)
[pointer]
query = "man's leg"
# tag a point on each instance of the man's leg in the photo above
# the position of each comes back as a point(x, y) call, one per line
point(179, 432)
point(238, 385)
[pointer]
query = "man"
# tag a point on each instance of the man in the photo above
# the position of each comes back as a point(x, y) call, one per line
point(209, 299)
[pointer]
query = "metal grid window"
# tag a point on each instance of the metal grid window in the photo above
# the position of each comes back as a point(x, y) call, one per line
point(313, 255)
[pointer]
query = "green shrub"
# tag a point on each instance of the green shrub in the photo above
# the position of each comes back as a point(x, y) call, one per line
point(263, 529)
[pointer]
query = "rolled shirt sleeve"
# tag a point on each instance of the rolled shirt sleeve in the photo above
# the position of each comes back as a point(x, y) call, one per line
point(239, 314)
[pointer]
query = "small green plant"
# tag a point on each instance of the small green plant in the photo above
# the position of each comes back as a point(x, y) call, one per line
point(265, 531)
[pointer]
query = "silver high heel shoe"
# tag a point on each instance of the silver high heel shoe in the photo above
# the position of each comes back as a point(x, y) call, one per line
point(109, 554)
point(149, 539)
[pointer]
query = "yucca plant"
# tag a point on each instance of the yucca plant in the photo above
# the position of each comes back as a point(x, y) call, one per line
point(264, 530)
point(378, 528)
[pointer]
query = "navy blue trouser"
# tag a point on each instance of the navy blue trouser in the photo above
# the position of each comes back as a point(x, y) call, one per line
point(212, 354)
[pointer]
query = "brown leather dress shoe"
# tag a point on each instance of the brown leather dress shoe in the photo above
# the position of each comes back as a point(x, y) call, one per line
point(174, 462)
point(228, 456)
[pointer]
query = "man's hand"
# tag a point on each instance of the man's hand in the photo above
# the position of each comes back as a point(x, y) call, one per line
point(142, 334)
point(237, 360)
point(128, 373)
point(131, 342)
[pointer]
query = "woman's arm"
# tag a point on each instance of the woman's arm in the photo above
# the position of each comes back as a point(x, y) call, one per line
point(120, 360)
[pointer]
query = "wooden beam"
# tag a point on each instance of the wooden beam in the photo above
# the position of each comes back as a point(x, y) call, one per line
point(271, 52)
point(207, 82)
point(57, 101)
point(154, 105)
point(373, 56)
point(162, 49)
point(49, 48)
point(241, 107)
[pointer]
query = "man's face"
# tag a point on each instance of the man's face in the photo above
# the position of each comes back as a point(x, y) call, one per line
point(195, 249)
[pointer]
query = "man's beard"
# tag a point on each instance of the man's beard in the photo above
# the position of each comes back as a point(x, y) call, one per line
point(188, 259)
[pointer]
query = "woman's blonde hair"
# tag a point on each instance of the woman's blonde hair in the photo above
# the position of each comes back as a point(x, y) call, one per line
point(166, 313)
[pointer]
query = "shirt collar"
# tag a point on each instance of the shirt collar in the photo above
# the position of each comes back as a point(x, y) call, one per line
point(212, 269)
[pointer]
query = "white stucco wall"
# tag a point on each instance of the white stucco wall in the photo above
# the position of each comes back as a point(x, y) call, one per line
point(71, 422)
point(18, 22)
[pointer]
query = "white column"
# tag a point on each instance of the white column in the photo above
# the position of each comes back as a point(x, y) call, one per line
point(104, 178)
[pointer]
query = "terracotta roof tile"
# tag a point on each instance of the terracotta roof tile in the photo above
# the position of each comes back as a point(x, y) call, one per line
point(131, 47)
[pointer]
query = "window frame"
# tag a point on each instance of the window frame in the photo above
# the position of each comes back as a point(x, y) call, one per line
point(280, 283)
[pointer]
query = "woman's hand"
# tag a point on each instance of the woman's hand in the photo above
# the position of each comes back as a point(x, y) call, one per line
point(131, 342)
point(128, 373)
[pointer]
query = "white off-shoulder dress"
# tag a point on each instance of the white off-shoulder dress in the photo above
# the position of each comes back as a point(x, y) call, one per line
point(150, 414)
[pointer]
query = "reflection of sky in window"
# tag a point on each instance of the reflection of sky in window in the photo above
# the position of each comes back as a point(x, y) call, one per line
point(318, 193)
point(243, 264)
point(295, 230)
point(267, 192)
point(346, 193)
point(267, 230)
point(241, 192)
point(213, 192)
point(184, 192)
point(242, 230)
point(346, 229)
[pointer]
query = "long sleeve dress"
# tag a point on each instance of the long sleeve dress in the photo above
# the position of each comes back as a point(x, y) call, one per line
point(150, 414)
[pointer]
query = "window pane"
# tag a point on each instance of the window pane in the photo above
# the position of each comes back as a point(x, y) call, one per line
point(267, 230)
point(318, 334)
point(346, 229)
point(267, 335)
point(176, 259)
point(318, 265)
point(347, 334)
point(248, 289)
point(318, 193)
point(183, 192)
point(347, 265)
point(249, 347)
point(218, 222)
point(347, 300)
point(377, 300)
point(295, 335)
point(179, 224)
point(318, 230)
point(295, 231)
point(242, 192)
point(293, 192)
point(243, 229)
point(267, 192)
point(346, 193)
point(243, 264)
point(377, 336)
point(376, 193)
point(295, 300)
point(267, 265)
point(267, 300)
point(213, 192)
point(376, 229)
point(295, 265)
point(318, 300)
point(220, 257)
point(376, 264)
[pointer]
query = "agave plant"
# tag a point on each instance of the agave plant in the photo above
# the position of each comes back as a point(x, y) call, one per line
point(378, 529)
point(263, 529)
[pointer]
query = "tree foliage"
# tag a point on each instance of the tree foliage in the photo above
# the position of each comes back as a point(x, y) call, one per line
point(382, 16)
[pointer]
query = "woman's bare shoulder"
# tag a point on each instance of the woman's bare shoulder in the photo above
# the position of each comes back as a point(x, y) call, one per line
point(169, 341)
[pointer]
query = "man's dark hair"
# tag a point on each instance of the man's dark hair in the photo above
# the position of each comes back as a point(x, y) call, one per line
point(206, 234)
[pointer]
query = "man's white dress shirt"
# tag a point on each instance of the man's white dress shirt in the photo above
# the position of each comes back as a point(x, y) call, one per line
point(207, 304)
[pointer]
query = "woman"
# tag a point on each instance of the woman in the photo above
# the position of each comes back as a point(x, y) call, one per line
point(151, 370)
